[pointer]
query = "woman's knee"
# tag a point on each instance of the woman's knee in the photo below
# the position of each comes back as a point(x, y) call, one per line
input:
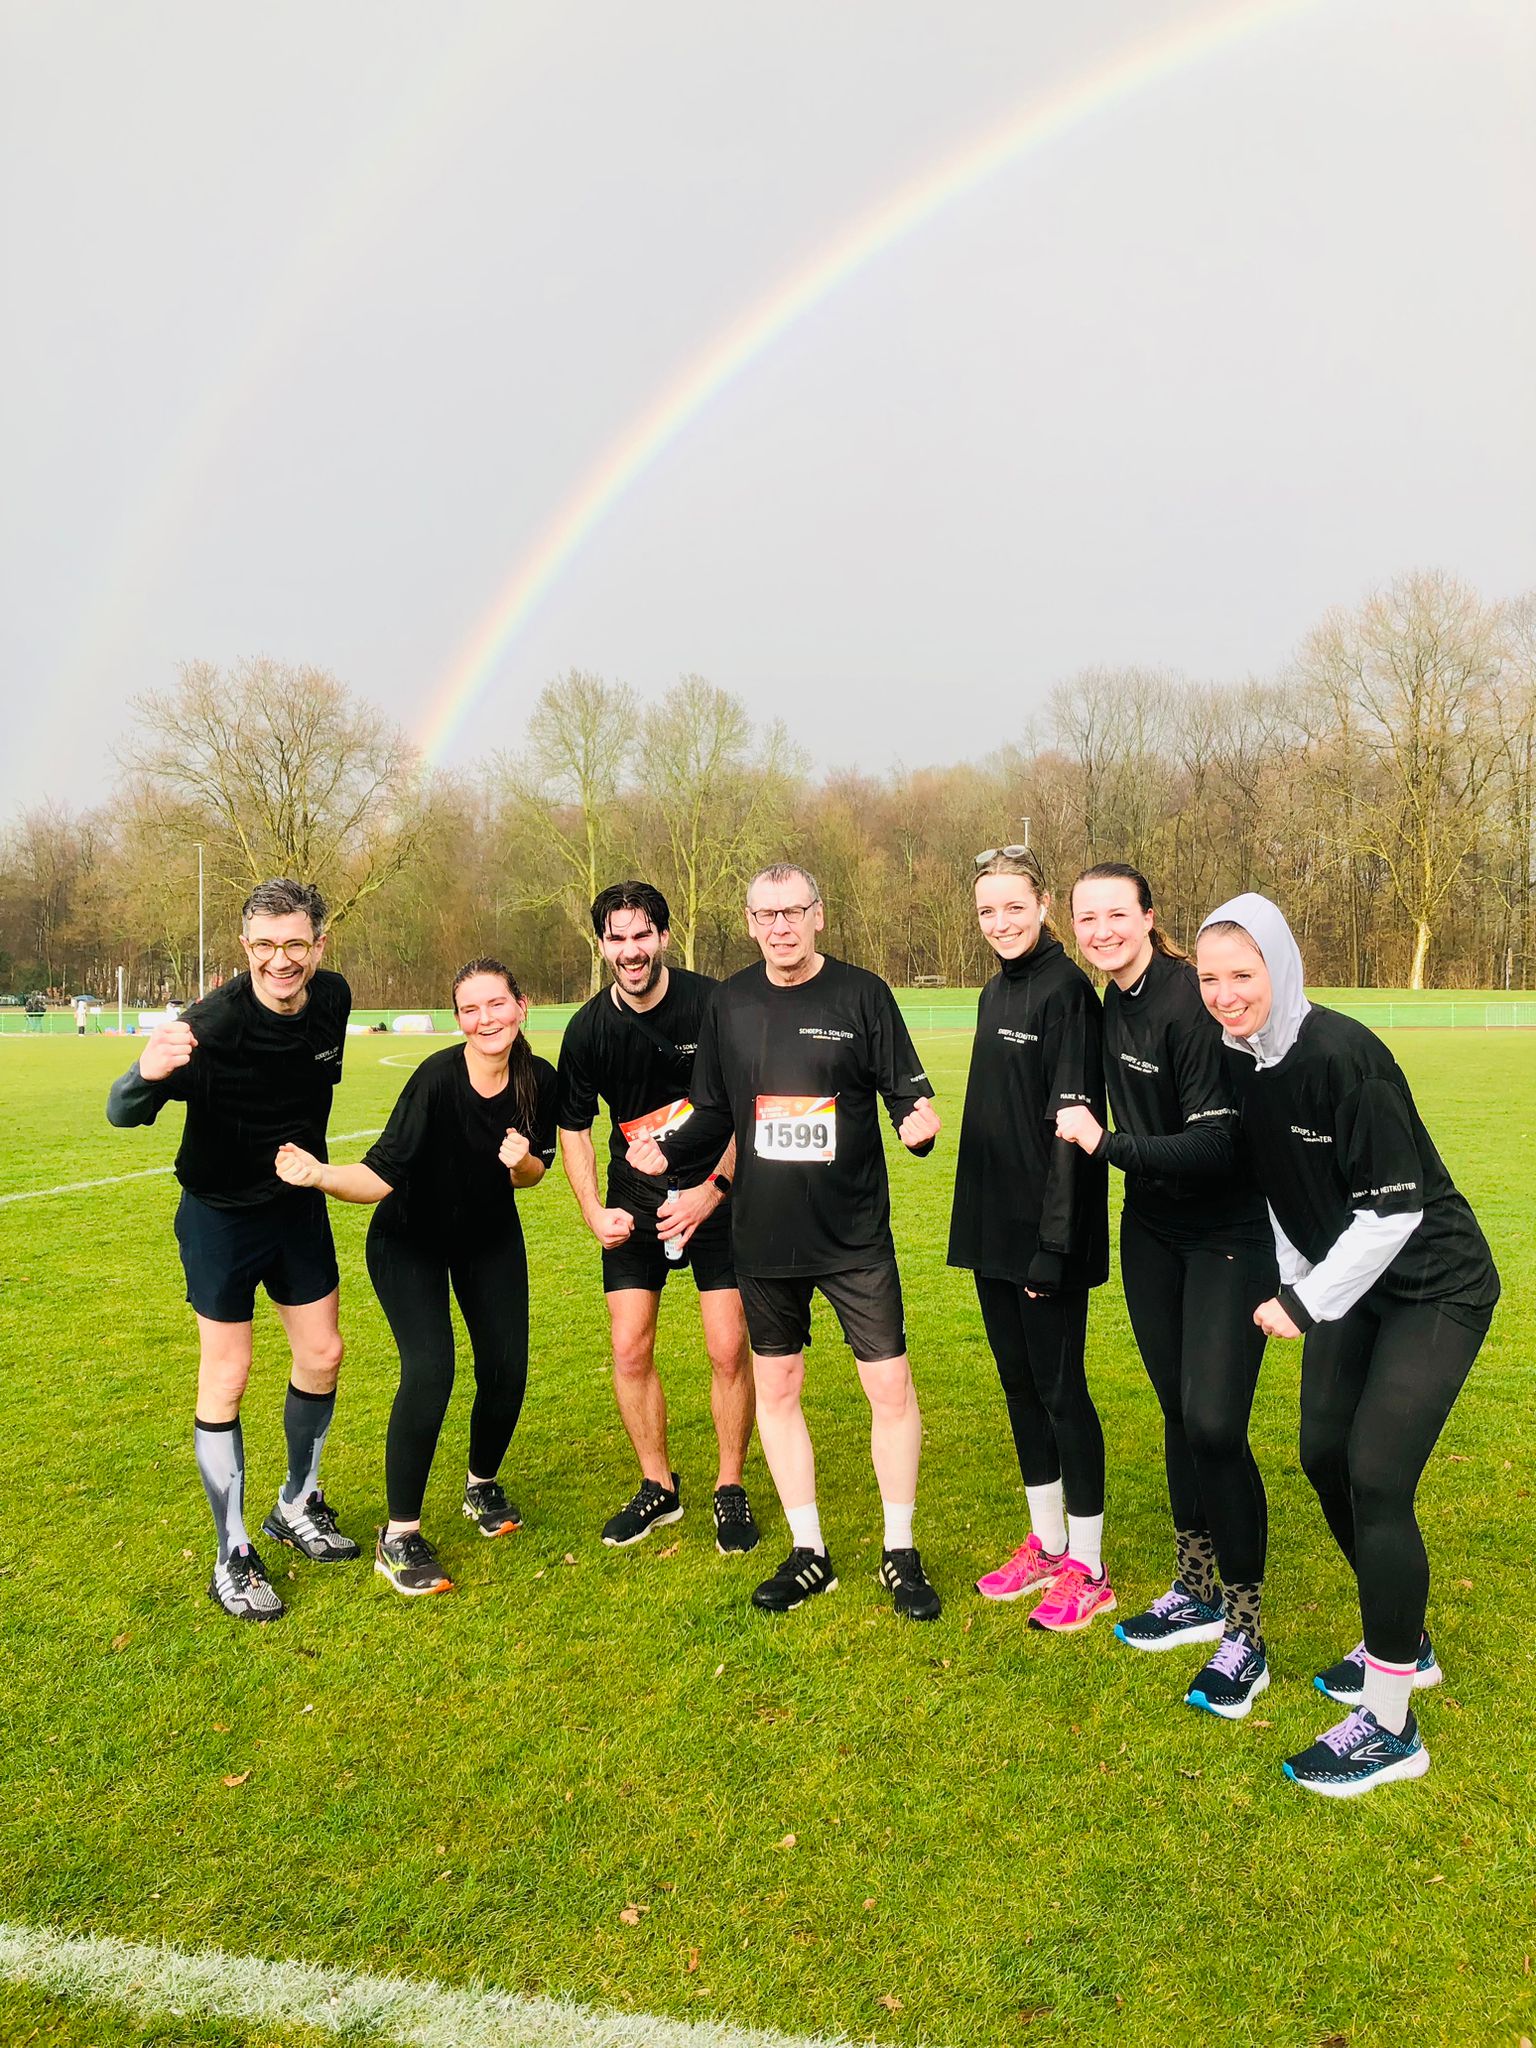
point(778, 1382)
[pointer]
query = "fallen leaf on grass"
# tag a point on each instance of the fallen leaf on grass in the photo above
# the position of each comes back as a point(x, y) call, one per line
point(238, 1779)
point(719, 1668)
point(220, 1727)
point(1033, 2012)
point(568, 1558)
point(786, 1841)
point(1437, 1879)
point(965, 1627)
point(1334, 2041)
point(869, 1905)
point(1261, 1724)
point(1457, 1458)
point(890, 2001)
point(672, 1549)
point(121, 1642)
point(186, 1553)
point(693, 1962)
point(1465, 1585)
point(631, 1915)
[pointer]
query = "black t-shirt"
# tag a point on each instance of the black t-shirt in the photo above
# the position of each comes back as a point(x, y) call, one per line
point(1332, 1128)
point(796, 1074)
point(257, 1080)
point(641, 1064)
point(438, 1152)
point(1028, 1206)
point(1175, 1135)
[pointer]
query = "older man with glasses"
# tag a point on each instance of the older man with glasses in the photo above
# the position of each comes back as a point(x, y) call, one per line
point(256, 1062)
point(793, 1061)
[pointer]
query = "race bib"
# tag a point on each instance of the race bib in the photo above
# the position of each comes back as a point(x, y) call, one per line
point(659, 1123)
point(796, 1127)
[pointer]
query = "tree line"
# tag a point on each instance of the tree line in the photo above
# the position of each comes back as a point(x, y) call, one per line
point(1383, 789)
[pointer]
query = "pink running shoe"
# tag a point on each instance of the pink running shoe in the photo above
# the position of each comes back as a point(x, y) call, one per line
point(1031, 1569)
point(1074, 1600)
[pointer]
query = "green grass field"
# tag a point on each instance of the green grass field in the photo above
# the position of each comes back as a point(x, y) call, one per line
point(836, 1823)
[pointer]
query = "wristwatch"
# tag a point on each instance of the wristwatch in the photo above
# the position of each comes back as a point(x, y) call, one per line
point(722, 1181)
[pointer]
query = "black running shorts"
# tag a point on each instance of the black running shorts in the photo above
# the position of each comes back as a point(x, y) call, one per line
point(284, 1245)
point(866, 1301)
point(640, 1261)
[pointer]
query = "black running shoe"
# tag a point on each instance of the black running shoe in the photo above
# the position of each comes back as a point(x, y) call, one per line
point(241, 1587)
point(802, 1574)
point(644, 1511)
point(1233, 1679)
point(1357, 1756)
point(309, 1526)
point(489, 1509)
point(410, 1564)
point(903, 1577)
point(735, 1530)
point(1345, 1681)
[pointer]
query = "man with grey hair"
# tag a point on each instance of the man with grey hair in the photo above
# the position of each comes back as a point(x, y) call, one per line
point(793, 1061)
point(256, 1061)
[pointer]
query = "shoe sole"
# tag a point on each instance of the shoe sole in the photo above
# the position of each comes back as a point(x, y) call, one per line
point(1229, 1710)
point(738, 1549)
point(763, 1608)
point(1072, 1628)
point(289, 1541)
point(656, 1522)
point(230, 1611)
point(1202, 1632)
point(501, 1528)
point(411, 1592)
point(1408, 1767)
point(1422, 1680)
point(1039, 1587)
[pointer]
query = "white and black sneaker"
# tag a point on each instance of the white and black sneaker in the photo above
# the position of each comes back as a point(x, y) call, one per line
point(902, 1575)
point(241, 1587)
point(1233, 1679)
point(487, 1506)
point(650, 1507)
point(802, 1575)
point(1345, 1681)
point(309, 1526)
point(410, 1564)
point(735, 1530)
point(1174, 1618)
point(1357, 1756)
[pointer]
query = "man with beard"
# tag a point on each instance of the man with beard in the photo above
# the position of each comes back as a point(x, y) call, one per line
point(633, 1046)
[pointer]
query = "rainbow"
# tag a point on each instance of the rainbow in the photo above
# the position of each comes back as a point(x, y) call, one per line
point(1031, 127)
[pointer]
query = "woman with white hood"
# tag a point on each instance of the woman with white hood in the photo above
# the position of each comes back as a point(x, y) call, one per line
point(1387, 1276)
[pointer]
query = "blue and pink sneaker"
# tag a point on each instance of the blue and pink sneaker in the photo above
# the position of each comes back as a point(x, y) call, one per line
point(1345, 1681)
point(1174, 1618)
point(1357, 1756)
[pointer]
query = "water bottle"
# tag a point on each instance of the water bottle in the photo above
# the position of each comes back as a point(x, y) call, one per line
point(672, 1246)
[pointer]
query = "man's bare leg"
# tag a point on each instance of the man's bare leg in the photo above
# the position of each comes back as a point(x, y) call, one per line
point(632, 1313)
point(732, 1399)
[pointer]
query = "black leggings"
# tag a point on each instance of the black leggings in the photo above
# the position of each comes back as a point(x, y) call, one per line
point(1192, 1314)
point(1039, 1344)
point(491, 1287)
point(1376, 1388)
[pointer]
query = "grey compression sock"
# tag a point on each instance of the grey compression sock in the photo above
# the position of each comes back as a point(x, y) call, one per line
point(306, 1418)
point(220, 1451)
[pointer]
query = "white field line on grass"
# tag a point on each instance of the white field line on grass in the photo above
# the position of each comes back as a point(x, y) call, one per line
point(116, 1180)
point(209, 1984)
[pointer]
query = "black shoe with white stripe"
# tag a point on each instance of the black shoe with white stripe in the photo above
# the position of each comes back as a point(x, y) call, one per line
point(903, 1577)
point(649, 1507)
point(241, 1587)
point(309, 1526)
point(802, 1575)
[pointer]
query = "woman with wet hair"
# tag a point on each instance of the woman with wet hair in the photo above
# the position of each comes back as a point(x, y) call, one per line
point(473, 1124)
point(1195, 1255)
point(1031, 1222)
point(1387, 1277)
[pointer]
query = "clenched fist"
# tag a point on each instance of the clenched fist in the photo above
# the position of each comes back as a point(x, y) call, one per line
point(168, 1047)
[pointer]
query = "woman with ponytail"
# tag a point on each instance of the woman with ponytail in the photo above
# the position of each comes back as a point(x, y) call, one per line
point(1195, 1255)
point(473, 1124)
point(1031, 1222)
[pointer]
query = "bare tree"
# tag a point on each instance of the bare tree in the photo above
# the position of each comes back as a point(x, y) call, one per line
point(293, 773)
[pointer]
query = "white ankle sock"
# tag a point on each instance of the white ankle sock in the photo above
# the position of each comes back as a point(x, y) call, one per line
point(1085, 1543)
point(1388, 1688)
point(898, 1524)
point(805, 1528)
point(1047, 1516)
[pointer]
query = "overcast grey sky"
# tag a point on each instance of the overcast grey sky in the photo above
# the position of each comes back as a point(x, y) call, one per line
point(317, 313)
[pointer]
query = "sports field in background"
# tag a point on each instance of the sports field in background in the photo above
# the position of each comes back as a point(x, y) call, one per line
point(602, 1776)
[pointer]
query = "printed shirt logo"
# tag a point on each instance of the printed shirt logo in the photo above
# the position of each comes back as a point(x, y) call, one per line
point(331, 1052)
point(1311, 1137)
point(795, 1127)
point(1018, 1037)
point(1390, 1187)
point(1204, 1116)
point(661, 1122)
point(825, 1033)
point(1138, 1065)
